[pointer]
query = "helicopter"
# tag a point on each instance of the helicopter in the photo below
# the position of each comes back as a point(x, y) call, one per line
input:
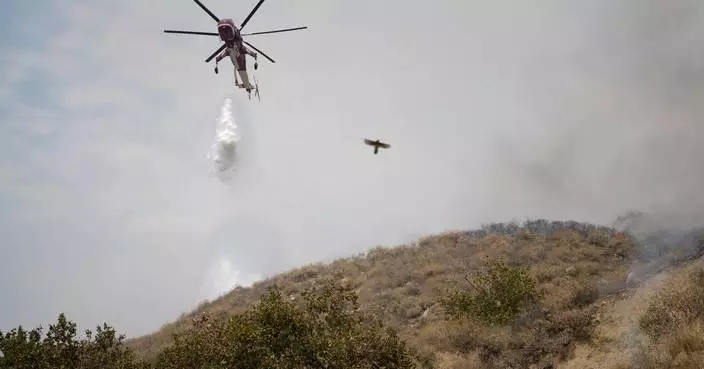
point(234, 45)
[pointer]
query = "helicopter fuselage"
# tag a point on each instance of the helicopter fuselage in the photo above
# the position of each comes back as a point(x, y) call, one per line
point(229, 34)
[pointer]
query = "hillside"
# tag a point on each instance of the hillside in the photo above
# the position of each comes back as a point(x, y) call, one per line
point(538, 295)
point(592, 285)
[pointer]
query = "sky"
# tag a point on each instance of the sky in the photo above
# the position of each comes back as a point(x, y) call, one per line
point(495, 110)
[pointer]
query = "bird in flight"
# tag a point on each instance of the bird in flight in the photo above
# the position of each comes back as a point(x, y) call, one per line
point(377, 144)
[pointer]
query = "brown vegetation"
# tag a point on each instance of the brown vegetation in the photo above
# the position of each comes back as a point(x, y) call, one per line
point(571, 265)
point(674, 324)
point(538, 295)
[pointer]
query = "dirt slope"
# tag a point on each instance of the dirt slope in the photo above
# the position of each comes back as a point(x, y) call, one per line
point(619, 342)
point(617, 335)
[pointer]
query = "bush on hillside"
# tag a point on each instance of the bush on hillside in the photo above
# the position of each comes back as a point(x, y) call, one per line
point(498, 295)
point(60, 348)
point(542, 228)
point(328, 332)
point(503, 322)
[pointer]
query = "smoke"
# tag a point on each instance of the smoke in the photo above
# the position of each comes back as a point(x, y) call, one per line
point(633, 124)
point(615, 124)
point(663, 241)
point(657, 73)
point(616, 103)
point(223, 277)
point(223, 153)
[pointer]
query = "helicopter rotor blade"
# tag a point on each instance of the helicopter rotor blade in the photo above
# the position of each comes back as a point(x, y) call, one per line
point(274, 31)
point(207, 11)
point(191, 32)
point(259, 51)
point(215, 53)
point(251, 14)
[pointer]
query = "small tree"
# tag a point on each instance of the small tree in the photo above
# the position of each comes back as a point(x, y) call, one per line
point(497, 295)
point(61, 349)
point(106, 350)
point(20, 349)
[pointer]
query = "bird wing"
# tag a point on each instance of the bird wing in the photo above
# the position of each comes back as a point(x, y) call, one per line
point(368, 142)
point(384, 145)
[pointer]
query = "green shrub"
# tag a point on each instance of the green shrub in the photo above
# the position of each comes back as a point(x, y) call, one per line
point(328, 332)
point(498, 295)
point(60, 348)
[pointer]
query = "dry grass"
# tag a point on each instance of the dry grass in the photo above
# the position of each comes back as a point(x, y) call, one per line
point(674, 324)
point(573, 265)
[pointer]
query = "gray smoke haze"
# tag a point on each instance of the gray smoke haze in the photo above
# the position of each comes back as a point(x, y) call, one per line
point(621, 108)
point(495, 110)
point(622, 129)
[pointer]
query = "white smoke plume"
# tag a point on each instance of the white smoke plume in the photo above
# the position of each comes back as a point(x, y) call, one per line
point(223, 153)
point(222, 278)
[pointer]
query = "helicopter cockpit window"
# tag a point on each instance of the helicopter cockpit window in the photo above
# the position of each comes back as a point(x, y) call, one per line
point(227, 33)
